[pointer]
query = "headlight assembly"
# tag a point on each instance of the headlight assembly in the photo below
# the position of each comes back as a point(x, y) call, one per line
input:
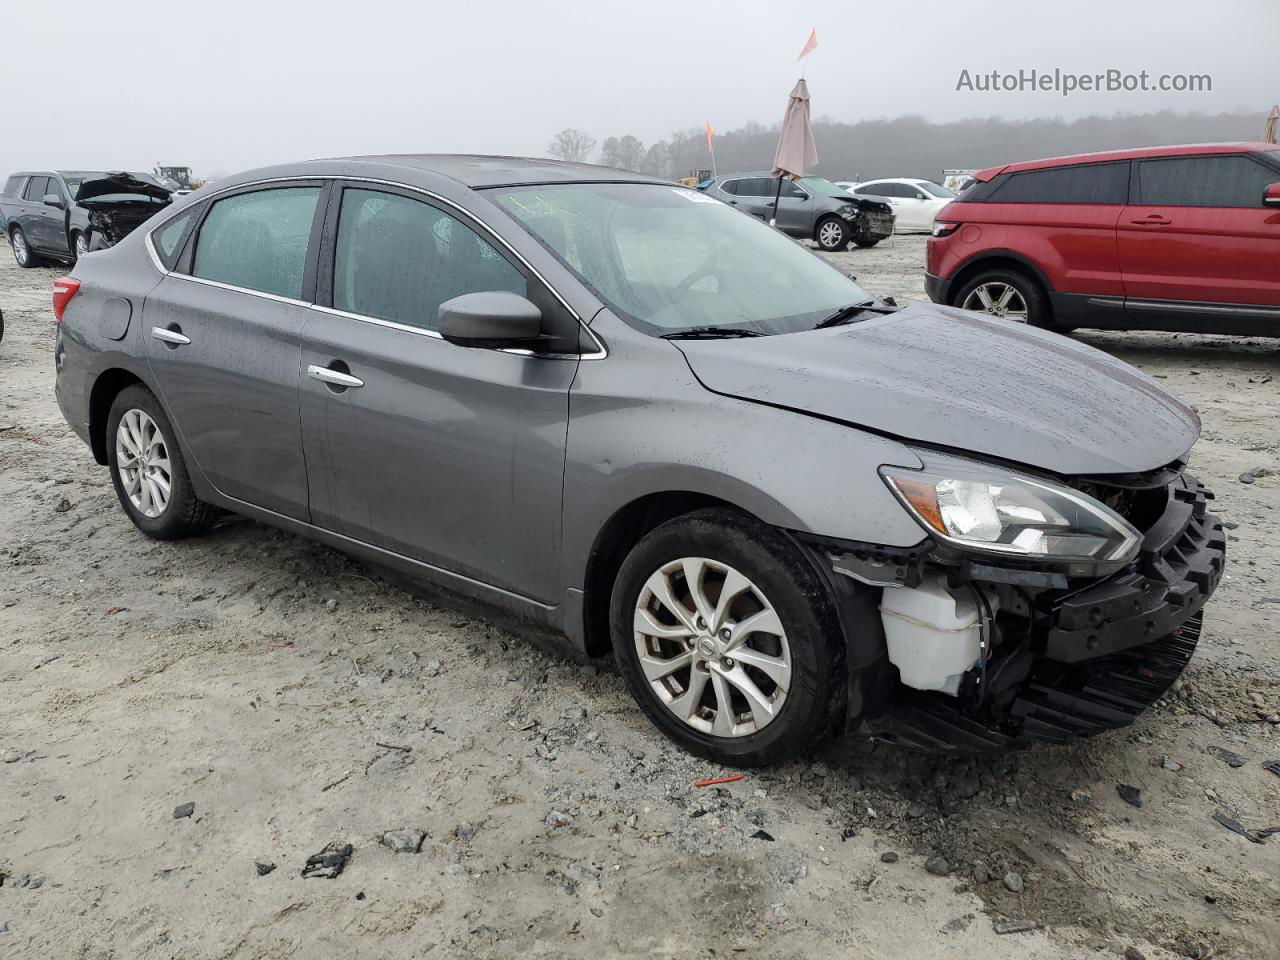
point(996, 511)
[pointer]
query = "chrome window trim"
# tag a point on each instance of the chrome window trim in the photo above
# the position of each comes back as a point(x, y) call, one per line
point(599, 353)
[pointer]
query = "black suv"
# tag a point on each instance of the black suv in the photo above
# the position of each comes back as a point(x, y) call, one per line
point(63, 214)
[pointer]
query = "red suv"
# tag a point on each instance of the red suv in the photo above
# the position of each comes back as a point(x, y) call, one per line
point(1158, 238)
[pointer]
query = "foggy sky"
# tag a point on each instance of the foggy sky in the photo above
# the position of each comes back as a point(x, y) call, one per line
point(222, 85)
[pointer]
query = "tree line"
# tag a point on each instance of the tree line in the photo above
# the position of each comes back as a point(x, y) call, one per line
point(908, 146)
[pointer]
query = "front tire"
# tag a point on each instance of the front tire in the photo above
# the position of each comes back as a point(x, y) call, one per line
point(1009, 294)
point(869, 242)
point(832, 234)
point(148, 470)
point(79, 245)
point(727, 639)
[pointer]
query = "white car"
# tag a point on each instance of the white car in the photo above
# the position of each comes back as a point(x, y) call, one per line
point(915, 202)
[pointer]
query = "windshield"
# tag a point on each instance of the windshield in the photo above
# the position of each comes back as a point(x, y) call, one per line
point(823, 188)
point(670, 259)
point(937, 189)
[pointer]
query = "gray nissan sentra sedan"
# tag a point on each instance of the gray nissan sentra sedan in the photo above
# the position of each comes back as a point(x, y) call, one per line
point(624, 410)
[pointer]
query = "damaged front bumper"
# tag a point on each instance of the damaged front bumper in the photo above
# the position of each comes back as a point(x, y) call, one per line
point(1060, 658)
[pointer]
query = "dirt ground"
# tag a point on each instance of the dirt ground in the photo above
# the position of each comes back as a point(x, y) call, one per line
point(298, 699)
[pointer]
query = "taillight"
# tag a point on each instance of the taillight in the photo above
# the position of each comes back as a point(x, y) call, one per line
point(943, 229)
point(64, 288)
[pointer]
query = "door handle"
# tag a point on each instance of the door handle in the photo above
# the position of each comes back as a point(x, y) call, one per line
point(170, 336)
point(1152, 221)
point(335, 377)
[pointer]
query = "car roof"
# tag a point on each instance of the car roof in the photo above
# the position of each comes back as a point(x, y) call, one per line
point(479, 172)
point(1133, 153)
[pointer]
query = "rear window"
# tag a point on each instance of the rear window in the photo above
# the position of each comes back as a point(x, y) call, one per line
point(258, 240)
point(1097, 183)
point(1233, 181)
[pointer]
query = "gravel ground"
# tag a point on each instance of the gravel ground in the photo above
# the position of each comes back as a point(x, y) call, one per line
point(298, 699)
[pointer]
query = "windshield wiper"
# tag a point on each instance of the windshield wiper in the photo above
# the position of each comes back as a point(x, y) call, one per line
point(709, 333)
point(852, 312)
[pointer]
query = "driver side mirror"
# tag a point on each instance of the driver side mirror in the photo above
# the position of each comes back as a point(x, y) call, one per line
point(1271, 196)
point(53, 200)
point(494, 318)
point(920, 196)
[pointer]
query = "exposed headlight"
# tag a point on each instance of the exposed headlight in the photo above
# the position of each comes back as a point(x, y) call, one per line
point(943, 229)
point(848, 211)
point(993, 510)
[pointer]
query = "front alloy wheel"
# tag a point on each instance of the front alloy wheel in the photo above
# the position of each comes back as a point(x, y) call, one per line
point(999, 299)
point(728, 639)
point(712, 647)
point(81, 245)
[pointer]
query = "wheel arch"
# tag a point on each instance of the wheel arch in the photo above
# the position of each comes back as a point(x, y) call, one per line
point(106, 388)
point(995, 260)
point(615, 540)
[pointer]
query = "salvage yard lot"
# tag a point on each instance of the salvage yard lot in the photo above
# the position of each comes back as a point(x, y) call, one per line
point(297, 699)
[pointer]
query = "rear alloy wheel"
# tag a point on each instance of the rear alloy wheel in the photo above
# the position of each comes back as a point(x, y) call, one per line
point(832, 234)
point(22, 250)
point(727, 639)
point(1007, 294)
point(148, 470)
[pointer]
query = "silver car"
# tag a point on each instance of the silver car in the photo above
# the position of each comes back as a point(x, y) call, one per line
point(626, 411)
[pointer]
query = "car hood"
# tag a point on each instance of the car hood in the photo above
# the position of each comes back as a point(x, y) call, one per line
point(962, 380)
point(118, 183)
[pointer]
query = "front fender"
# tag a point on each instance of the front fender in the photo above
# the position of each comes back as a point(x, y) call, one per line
point(789, 469)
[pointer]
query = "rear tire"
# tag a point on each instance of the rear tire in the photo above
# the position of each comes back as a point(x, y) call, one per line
point(783, 687)
point(22, 250)
point(1007, 293)
point(148, 470)
point(832, 234)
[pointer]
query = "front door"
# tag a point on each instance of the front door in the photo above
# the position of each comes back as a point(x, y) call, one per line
point(453, 456)
point(1196, 230)
point(222, 336)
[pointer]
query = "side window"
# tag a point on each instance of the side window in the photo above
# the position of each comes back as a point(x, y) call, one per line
point(398, 259)
point(11, 186)
point(1202, 182)
point(730, 187)
point(870, 188)
point(755, 187)
point(1098, 183)
point(790, 190)
point(35, 189)
point(168, 239)
point(258, 240)
point(55, 188)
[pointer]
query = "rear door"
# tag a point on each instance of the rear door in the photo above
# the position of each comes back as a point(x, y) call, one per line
point(223, 337)
point(1196, 231)
point(795, 210)
point(451, 455)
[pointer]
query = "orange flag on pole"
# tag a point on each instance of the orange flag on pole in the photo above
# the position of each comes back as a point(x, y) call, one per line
point(809, 44)
point(710, 133)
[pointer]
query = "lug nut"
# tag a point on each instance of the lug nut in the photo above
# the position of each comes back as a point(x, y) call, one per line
point(728, 663)
point(702, 624)
point(725, 634)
